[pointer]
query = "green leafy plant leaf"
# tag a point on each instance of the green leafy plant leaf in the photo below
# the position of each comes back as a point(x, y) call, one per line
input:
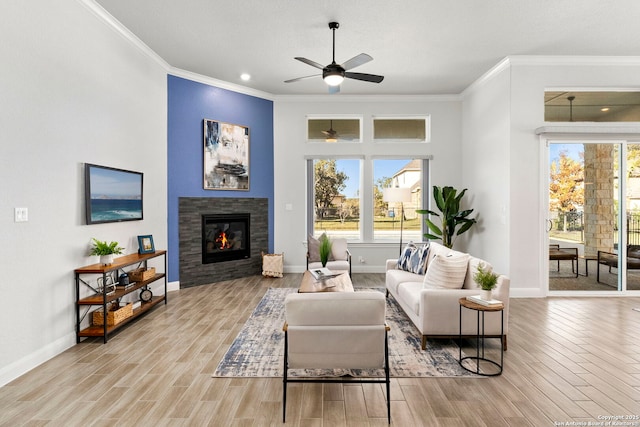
point(453, 222)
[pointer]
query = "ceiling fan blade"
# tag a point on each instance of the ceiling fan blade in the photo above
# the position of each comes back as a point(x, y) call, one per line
point(356, 61)
point(334, 89)
point(364, 77)
point(310, 62)
point(301, 78)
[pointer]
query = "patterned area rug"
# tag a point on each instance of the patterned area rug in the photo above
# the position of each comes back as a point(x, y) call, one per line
point(258, 349)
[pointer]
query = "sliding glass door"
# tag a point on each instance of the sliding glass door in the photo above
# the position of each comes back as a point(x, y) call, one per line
point(585, 210)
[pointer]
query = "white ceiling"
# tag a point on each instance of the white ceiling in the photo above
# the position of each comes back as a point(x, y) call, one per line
point(420, 46)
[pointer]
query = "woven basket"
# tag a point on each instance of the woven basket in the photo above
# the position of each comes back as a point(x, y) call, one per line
point(272, 265)
point(113, 317)
point(140, 274)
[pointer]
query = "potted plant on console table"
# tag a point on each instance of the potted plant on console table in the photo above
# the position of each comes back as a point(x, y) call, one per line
point(105, 250)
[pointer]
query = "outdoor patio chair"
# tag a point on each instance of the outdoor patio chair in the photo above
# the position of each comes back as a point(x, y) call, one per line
point(556, 253)
point(610, 259)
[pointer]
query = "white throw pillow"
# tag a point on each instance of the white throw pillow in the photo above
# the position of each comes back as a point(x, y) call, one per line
point(446, 272)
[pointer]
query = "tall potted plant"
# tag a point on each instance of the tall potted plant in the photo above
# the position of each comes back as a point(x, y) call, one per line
point(453, 221)
point(105, 250)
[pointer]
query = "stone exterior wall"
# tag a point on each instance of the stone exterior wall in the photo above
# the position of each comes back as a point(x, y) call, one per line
point(599, 216)
point(190, 210)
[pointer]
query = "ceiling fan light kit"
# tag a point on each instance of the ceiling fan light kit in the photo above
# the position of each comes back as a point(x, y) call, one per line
point(334, 73)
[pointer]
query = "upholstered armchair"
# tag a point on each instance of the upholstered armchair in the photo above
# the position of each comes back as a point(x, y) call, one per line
point(340, 330)
point(339, 261)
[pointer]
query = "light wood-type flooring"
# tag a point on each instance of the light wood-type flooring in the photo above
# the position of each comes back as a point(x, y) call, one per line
point(569, 359)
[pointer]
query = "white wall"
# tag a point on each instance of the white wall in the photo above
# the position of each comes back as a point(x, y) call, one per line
point(290, 115)
point(73, 91)
point(520, 84)
point(485, 166)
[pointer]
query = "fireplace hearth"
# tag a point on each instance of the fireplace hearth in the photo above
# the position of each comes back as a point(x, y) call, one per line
point(225, 237)
point(193, 272)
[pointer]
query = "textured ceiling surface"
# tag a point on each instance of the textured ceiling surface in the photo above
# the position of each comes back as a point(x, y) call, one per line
point(420, 46)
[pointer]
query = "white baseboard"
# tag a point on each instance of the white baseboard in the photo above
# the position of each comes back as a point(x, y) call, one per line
point(33, 360)
point(173, 286)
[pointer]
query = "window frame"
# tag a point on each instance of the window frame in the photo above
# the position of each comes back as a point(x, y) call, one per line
point(427, 130)
point(366, 203)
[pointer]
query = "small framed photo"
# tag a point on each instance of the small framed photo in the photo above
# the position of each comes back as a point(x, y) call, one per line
point(145, 244)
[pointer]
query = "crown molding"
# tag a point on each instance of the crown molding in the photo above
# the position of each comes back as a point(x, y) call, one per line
point(573, 60)
point(496, 70)
point(123, 31)
point(549, 60)
point(367, 98)
point(219, 83)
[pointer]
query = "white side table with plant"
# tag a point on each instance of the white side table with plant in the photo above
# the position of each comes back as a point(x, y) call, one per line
point(487, 281)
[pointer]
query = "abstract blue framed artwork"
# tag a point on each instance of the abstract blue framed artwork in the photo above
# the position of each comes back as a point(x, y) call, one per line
point(226, 156)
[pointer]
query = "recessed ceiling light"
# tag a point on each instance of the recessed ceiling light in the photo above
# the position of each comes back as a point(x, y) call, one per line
point(604, 109)
point(245, 76)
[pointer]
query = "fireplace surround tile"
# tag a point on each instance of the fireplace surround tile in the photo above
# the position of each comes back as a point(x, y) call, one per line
point(190, 210)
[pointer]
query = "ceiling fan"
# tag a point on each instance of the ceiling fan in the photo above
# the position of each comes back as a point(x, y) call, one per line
point(331, 134)
point(333, 74)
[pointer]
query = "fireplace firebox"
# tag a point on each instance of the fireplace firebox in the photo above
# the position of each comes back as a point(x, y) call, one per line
point(225, 237)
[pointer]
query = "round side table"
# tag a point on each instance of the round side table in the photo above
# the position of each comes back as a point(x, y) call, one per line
point(480, 310)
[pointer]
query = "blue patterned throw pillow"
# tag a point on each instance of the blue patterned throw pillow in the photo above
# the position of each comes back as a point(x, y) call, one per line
point(413, 258)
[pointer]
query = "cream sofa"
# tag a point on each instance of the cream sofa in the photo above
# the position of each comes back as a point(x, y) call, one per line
point(434, 308)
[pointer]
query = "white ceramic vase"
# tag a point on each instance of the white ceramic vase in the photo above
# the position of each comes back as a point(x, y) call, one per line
point(485, 295)
point(106, 259)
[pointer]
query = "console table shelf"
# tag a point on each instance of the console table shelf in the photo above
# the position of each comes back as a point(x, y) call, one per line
point(102, 298)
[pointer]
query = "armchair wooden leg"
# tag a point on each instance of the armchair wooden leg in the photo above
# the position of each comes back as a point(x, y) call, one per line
point(424, 342)
point(504, 342)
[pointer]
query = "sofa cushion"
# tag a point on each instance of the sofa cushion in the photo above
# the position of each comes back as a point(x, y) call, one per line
point(339, 249)
point(447, 271)
point(436, 248)
point(394, 277)
point(409, 293)
point(334, 266)
point(469, 283)
point(414, 258)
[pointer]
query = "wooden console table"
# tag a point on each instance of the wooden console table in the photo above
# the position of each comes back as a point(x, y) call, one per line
point(101, 297)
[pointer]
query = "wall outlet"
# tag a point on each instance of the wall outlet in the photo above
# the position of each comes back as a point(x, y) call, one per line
point(361, 259)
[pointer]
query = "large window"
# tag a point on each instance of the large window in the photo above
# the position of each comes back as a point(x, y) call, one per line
point(390, 213)
point(336, 197)
point(344, 205)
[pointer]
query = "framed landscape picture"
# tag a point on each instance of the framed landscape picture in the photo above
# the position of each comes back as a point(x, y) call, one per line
point(226, 156)
point(112, 194)
point(145, 244)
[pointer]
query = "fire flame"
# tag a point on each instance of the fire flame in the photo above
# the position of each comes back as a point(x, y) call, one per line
point(222, 242)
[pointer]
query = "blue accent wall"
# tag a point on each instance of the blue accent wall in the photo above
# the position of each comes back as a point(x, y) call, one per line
point(189, 103)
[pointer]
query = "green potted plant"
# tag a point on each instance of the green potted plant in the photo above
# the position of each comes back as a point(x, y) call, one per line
point(105, 250)
point(324, 249)
point(486, 279)
point(454, 222)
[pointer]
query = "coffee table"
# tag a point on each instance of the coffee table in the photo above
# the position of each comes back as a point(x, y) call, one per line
point(340, 283)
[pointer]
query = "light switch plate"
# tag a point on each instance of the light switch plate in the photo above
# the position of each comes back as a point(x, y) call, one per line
point(21, 215)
